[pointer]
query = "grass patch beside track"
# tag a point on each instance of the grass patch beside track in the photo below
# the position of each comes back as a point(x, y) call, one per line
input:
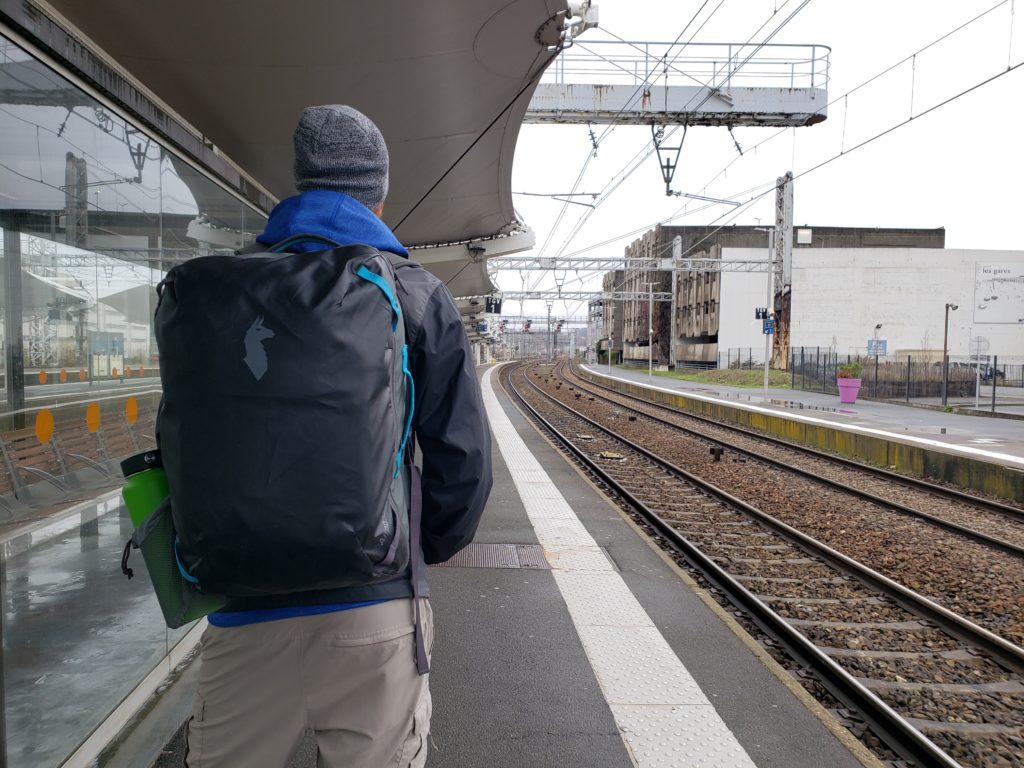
point(731, 378)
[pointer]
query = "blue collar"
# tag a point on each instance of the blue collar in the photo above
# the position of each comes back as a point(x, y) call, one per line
point(329, 214)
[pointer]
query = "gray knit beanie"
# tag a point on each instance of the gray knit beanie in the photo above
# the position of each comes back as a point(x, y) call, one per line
point(339, 148)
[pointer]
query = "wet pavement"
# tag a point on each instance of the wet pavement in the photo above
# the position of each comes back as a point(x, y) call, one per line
point(77, 635)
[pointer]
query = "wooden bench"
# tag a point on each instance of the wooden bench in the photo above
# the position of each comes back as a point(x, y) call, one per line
point(29, 462)
point(80, 446)
point(75, 458)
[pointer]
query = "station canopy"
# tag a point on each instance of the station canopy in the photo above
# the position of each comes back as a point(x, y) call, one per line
point(447, 81)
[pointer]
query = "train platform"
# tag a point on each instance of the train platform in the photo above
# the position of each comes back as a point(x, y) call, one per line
point(563, 639)
point(971, 435)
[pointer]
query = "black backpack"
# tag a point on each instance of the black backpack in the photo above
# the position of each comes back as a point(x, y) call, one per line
point(286, 417)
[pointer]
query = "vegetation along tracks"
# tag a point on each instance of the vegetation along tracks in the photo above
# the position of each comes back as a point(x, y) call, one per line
point(888, 649)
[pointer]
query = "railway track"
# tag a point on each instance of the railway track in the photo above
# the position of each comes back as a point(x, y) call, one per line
point(934, 685)
point(866, 477)
point(891, 527)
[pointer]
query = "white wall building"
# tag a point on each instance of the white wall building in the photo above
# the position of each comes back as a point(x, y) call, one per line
point(839, 295)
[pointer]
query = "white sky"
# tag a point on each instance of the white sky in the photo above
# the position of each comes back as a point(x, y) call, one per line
point(958, 167)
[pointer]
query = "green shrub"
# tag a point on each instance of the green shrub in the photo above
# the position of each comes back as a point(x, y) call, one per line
point(850, 370)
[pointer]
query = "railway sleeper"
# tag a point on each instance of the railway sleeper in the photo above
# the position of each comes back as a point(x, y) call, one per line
point(771, 561)
point(1014, 687)
point(898, 626)
point(963, 730)
point(870, 600)
point(963, 656)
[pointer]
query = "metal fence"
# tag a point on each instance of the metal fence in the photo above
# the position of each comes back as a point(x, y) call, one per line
point(891, 378)
point(741, 358)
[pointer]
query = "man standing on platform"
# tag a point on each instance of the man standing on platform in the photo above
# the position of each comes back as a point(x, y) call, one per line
point(349, 664)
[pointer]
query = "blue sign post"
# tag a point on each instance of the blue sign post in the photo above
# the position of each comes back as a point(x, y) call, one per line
point(769, 326)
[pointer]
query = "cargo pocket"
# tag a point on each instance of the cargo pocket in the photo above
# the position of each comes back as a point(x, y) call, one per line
point(194, 735)
point(414, 751)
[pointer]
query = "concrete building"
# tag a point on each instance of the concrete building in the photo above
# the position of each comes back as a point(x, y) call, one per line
point(714, 311)
point(611, 314)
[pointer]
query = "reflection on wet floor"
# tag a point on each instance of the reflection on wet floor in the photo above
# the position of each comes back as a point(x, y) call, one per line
point(77, 636)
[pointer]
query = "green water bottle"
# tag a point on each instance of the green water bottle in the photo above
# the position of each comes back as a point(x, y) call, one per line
point(145, 484)
point(145, 491)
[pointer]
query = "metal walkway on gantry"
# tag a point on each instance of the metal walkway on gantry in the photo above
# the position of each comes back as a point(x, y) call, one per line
point(717, 84)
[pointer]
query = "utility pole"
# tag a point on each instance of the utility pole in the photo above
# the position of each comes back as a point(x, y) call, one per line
point(650, 331)
point(550, 355)
point(769, 303)
point(677, 253)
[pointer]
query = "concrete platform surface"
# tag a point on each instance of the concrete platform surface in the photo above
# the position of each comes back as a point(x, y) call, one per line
point(607, 658)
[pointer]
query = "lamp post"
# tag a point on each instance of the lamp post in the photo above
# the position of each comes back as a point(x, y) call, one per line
point(945, 358)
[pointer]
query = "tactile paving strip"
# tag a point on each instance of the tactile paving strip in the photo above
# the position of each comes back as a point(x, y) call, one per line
point(642, 668)
point(578, 559)
point(665, 719)
point(561, 532)
point(600, 599)
point(670, 737)
point(550, 508)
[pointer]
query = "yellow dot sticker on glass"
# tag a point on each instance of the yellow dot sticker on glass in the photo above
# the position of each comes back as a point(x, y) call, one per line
point(44, 426)
point(92, 417)
point(63, 376)
point(42, 377)
point(131, 410)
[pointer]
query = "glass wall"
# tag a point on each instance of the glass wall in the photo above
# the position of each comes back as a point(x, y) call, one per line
point(93, 212)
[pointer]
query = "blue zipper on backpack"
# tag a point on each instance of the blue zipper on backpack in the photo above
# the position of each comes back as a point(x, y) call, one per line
point(381, 283)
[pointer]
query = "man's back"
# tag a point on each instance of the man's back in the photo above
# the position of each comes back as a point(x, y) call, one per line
point(348, 662)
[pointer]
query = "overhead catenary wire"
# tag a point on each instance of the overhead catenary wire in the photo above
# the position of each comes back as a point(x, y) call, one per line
point(745, 205)
point(639, 90)
point(762, 44)
point(769, 186)
point(882, 73)
point(843, 97)
point(868, 141)
point(530, 81)
point(626, 173)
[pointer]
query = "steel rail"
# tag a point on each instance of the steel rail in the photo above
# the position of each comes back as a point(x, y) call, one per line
point(912, 482)
point(996, 543)
point(894, 730)
point(1007, 654)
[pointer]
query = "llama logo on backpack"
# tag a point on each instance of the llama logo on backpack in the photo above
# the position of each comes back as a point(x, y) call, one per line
point(255, 354)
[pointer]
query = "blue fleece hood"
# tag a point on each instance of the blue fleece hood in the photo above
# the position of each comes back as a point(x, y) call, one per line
point(329, 214)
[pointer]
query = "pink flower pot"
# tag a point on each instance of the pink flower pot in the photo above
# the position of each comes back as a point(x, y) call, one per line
point(848, 389)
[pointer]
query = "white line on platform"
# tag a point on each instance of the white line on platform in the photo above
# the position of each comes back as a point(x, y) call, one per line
point(664, 717)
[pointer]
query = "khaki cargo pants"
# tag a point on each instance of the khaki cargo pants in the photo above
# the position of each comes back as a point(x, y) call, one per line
point(349, 677)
